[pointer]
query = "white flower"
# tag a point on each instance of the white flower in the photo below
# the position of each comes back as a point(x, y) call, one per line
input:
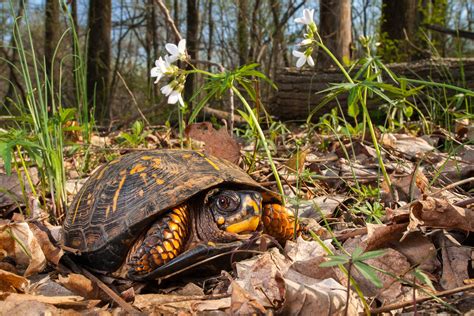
point(305, 42)
point(307, 17)
point(173, 92)
point(303, 58)
point(177, 52)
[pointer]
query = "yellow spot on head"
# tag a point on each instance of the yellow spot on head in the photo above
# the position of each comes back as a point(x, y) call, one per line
point(137, 168)
point(210, 243)
point(220, 220)
point(187, 156)
point(159, 181)
point(146, 157)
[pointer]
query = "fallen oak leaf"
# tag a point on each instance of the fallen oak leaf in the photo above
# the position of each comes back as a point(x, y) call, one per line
point(217, 143)
point(439, 213)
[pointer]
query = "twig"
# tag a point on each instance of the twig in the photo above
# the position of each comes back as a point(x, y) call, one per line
point(133, 98)
point(390, 307)
point(452, 185)
point(114, 296)
point(169, 19)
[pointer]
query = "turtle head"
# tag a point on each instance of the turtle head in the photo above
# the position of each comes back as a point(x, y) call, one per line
point(236, 211)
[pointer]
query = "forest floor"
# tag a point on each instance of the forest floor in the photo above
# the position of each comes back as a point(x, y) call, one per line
point(333, 183)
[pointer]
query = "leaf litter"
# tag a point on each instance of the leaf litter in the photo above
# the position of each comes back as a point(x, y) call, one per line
point(424, 224)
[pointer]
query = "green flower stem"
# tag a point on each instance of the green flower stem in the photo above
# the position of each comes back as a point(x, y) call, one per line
point(366, 115)
point(262, 138)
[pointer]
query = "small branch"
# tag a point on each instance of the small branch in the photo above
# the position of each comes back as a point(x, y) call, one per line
point(395, 306)
point(133, 98)
point(452, 185)
point(169, 19)
point(460, 33)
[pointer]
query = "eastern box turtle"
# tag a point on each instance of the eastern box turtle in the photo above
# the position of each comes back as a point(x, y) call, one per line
point(149, 214)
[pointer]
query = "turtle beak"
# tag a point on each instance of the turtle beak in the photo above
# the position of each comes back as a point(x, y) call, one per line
point(253, 206)
point(247, 225)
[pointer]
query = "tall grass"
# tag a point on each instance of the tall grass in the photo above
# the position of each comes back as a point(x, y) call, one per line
point(39, 129)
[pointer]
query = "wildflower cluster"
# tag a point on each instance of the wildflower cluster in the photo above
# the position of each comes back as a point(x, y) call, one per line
point(164, 67)
point(307, 43)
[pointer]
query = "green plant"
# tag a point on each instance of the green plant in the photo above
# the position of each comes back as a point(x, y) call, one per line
point(356, 259)
point(136, 137)
point(374, 211)
point(39, 127)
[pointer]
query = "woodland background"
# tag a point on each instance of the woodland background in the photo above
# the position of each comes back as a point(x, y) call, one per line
point(120, 41)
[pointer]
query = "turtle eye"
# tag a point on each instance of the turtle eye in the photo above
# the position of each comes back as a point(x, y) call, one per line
point(227, 203)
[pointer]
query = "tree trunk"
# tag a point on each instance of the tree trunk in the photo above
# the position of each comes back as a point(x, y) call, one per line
point(243, 31)
point(336, 30)
point(13, 80)
point(151, 44)
point(98, 58)
point(192, 16)
point(400, 21)
point(51, 39)
point(210, 25)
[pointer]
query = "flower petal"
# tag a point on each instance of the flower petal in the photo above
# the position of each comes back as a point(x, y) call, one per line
point(297, 53)
point(173, 97)
point(180, 100)
point(172, 49)
point(166, 90)
point(299, 20)
point(182, 46)
point(310, 61)
point(300, 62)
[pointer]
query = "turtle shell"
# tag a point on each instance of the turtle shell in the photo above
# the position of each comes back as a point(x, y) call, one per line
point(124, 197)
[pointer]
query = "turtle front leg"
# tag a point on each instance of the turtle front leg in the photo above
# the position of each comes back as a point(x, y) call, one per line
point(163, 241)
point(279, 222)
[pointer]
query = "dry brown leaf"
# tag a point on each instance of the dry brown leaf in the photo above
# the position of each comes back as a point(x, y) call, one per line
point(418, 249)
point(218, 143)
point(172, 304)
point(29, 307)
point(10, 282)
point(297, 161)
point(379, 235)
point(407, 144)
point(63, 301)
point(391, 261)
point(455, 263)
point(261, 277)
point(438, 213)
point(242, 303)
point(19, 242)
point(79, 284)
point(306, 257)
point(52, 253)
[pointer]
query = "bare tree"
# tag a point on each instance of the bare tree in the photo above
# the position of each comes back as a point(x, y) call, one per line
point(336, 29)
point(242, 30)
point(192, 33)
point(51, 38)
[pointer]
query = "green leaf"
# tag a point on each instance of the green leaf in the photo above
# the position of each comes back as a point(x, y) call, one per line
point(356, 253)
point(369, 255)
point(420, 275)
point(368, 273)
point(408, 111)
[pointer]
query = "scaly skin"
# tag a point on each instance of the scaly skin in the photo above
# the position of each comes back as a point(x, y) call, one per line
point(164, 241)
point(278, 222)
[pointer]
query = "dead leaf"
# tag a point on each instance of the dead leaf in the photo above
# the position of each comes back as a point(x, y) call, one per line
point(52, 253)
point(438, 213)
point(21, 245)
point(455, 262)
point(391, 261)
point(28, 307)
point(10, 282)
point(296, 162)
point(379, 235)
point(10, 188)
point(174, 304)
point(63, 301)
point(218, 143)
point(418, 249)
point(409, 145)
point(409, 187)
point(307, 255)
point(242, 303)
point(79, 284)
